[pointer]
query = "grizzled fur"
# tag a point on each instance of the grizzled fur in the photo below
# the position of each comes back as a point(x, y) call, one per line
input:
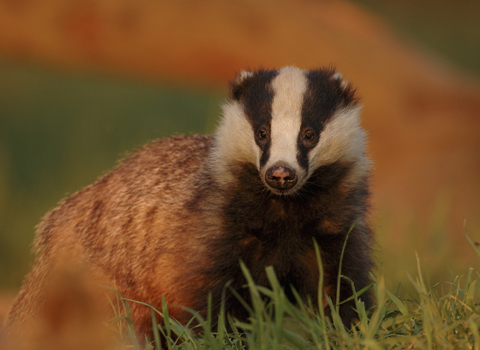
point(175, 219)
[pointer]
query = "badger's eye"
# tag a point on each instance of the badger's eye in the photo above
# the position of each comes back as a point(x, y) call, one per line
point(262, 134)
point(309, 138)
point(309, 135)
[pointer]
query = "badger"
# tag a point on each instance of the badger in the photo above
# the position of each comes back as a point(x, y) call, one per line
point(286, 167)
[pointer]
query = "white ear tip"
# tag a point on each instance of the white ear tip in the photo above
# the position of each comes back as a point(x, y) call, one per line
point(338, 76)
point(243, 75)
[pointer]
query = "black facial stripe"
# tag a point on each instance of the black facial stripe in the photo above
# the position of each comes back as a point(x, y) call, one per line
point(265, 154)
point(322, 99)
point(302, 155)
point(324, 96)
point(263, 142)
point(256, 95)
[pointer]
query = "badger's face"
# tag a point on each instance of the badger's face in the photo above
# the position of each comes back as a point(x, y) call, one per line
point(288, 123)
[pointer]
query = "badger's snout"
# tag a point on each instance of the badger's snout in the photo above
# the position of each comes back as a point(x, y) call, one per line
point(281, 177)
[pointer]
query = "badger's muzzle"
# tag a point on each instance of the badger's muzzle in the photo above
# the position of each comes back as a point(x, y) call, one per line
point(281, 177)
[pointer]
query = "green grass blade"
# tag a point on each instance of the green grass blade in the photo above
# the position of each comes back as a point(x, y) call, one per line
point(401, 306)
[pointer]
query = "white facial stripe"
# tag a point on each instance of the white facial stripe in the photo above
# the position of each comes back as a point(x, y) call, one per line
point(234, 142)
point(243, 75)
point(342, 138)
point(289, 87)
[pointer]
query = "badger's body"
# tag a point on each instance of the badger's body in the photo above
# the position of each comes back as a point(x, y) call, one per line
point(286, 166)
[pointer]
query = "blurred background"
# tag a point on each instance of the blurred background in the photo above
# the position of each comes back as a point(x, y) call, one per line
point(82, 82)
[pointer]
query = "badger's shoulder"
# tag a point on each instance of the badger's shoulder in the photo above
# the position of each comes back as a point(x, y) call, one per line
point(157, 168)
point(176, 151)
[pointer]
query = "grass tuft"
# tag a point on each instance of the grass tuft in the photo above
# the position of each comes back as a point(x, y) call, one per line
point(443, 316)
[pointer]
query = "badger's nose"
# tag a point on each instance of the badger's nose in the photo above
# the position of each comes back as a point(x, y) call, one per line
point(281, 177)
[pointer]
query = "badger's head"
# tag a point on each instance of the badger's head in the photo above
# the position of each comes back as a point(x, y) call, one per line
point(288, 123)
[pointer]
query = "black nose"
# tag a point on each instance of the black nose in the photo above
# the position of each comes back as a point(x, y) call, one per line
point(281, 177)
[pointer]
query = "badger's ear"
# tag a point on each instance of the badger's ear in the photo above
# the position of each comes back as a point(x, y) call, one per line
point(238, 87)
point(338, 76)
point(347, 93)
point(244, 74)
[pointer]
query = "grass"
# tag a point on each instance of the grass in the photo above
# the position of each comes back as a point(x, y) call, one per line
point(442, 316)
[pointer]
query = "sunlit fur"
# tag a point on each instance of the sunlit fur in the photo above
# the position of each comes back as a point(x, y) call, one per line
point(233, 144)
point(343, 139)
